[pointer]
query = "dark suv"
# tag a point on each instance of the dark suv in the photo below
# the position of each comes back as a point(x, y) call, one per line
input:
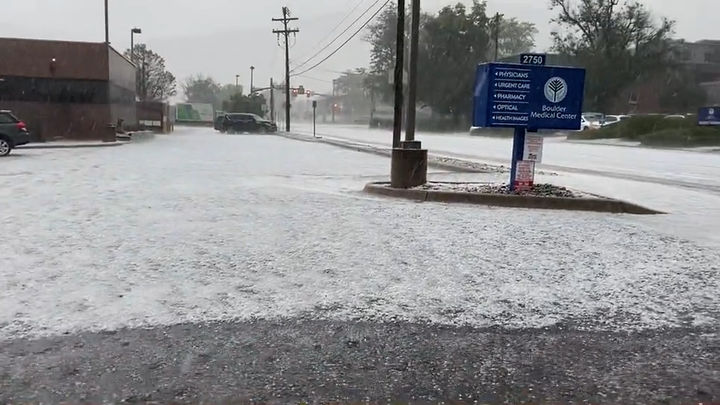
point(238, 123)
point(13, 132)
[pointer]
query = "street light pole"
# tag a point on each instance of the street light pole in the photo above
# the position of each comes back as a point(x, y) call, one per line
point(132, 42)
point(237, 81)
point(252, 78)
point(107, 24)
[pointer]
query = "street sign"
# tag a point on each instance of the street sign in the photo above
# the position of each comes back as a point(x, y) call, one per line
point(527, 96)
point(537, 59)
point(525, 175)
point(533, 148)
point(709, 116)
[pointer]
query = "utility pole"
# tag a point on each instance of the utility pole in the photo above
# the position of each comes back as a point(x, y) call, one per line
point(132, 42)
point(496, 35)
point(412, 89)
point(333, 100)
point(252, 78)
point(408, 165)
point(399, 65)
point(286, 32)
point(272, 100)
point(107, 23)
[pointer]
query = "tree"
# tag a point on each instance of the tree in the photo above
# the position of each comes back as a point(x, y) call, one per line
point(153, 81)
point(239, 103)
point(514, 37)
point(381, 35)
point(681, 92)
point(617, 42)
point(355, 92)
point(452, 43)
point(228, 91)
point(201, 89)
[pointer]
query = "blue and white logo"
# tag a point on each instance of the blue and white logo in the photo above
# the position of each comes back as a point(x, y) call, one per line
point(556, 89)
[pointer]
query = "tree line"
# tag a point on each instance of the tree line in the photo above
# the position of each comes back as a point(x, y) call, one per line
point(155, 83)
point(619, 43)
point(452, 43)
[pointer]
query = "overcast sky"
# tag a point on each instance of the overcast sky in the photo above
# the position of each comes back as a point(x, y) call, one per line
point(222, 38)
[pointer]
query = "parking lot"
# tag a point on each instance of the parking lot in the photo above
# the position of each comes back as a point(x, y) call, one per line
point(197, 231)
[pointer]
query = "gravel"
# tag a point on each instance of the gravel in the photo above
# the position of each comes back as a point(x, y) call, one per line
point(539, 190)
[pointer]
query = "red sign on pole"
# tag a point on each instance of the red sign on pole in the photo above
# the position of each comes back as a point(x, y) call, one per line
point(525, 175)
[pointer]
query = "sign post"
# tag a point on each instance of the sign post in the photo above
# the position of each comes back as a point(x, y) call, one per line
point(517, 154)
point(527, 97)
point(314, 114)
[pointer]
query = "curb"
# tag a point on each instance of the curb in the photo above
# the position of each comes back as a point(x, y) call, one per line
point(79, 146)
point(512, 201)
point(140, 136)
point(387, 152)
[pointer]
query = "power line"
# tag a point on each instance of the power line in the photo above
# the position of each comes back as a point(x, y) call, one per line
point(315, 78)
point(346, 41)
point(332, 31)
point(340, 34)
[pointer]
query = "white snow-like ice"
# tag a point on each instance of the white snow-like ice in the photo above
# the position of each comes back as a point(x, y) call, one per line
point(197, 226)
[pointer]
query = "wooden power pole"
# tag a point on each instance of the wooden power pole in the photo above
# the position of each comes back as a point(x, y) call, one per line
point(286, 33)
point(398, 77)
point(272, 100)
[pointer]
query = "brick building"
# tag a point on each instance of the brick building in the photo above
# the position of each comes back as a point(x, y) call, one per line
point(67, 90)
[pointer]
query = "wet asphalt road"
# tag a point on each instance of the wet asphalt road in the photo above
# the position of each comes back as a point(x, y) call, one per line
point(318, 361)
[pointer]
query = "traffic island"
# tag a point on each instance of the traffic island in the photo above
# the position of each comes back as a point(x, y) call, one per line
point(541, 196)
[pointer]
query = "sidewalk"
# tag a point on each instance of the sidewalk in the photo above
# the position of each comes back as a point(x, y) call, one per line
point(70, 145)
point(439, 161)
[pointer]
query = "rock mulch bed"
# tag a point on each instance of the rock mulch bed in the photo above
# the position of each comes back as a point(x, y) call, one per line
point(538, 190)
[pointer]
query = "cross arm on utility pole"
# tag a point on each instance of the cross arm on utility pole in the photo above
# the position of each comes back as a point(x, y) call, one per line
point(293, 31)
point(288, 19)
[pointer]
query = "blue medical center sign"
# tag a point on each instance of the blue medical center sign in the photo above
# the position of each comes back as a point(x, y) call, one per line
point(527, 97)
point(533, 97)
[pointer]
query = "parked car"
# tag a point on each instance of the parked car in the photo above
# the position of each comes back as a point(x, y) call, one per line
point(13, 132)
point(614, 119)
point(595, 119)
point(243, 122)
point(589, 122)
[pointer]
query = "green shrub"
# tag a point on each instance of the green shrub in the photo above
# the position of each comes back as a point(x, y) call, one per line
point(685, 137)
point(634, 128)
